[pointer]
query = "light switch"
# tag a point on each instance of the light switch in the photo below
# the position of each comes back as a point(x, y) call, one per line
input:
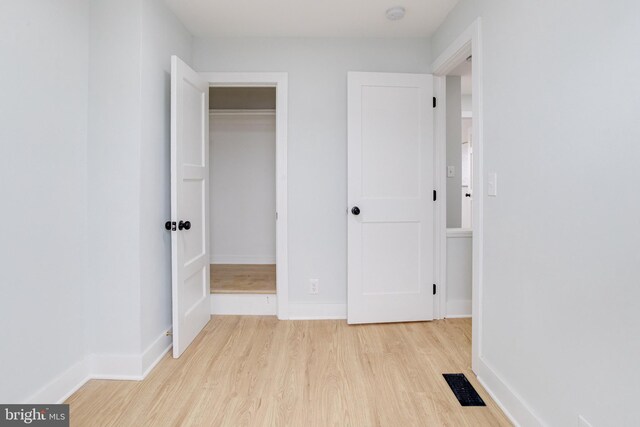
point(492, 184)
point(451, 171)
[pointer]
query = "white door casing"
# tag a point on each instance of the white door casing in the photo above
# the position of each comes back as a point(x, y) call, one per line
point(189, 199)
point(391, 181)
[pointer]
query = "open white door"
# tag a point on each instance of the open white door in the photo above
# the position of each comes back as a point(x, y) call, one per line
point(391, 208)
point(189, 198)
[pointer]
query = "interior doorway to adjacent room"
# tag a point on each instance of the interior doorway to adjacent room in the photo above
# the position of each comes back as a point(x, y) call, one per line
point(459, 188)
point(459, 142)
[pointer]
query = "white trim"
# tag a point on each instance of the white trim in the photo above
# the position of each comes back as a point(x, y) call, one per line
point(313, 311)
point(467, 115)
point(243, 259)
point(457, 53)
point(460, 308)
point(469, 42)
point(244, 304)
point(440, 185)
point(245, 112)
point(110, 367)
point(457, 233)
point(64, 385)
point(155, 352)
point(511, 403)
point(459, 316)
point(134, 367)
point(116, 367)
point(279, 80)
point(246, 79)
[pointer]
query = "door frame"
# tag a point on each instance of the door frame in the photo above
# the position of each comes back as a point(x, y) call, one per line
point(279, 80)
point(467, 43)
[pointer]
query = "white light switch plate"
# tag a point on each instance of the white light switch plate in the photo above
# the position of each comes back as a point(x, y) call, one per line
point(492, 184)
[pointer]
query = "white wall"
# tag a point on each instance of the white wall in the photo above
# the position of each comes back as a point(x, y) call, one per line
point(459, 272)
point(243, 188)
point(466, 103)
point(85, 117)
point(114, 177)
point(561, 268)
point(454, 151)
point(131, 44)
point(43, 134)
point(317, 155)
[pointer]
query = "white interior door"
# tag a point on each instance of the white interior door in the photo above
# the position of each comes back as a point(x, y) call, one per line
point(391, 208)
point(189, 199)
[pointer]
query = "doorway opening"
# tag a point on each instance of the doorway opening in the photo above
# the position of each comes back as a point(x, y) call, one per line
point(242, 211)
point(459, 184)
point(247, 210)
point(461, 59)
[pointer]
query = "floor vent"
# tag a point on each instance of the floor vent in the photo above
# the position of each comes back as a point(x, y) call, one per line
point(463, 390)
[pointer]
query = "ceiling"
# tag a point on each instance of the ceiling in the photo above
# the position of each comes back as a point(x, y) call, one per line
point(309, 18)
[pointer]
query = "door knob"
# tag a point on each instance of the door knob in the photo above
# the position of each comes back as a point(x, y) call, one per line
point(467, 195)
point(355, 210)
point(170, 226)
point(184, 225)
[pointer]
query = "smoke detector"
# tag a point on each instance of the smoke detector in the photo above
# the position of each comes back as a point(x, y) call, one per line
point(395, 13)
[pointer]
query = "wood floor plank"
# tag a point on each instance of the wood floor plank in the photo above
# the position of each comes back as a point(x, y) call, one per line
point(243, 278)
point(259, 371)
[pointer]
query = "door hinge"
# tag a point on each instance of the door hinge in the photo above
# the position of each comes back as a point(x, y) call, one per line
point(434, 288)
point(435, 195)
point(434, 102)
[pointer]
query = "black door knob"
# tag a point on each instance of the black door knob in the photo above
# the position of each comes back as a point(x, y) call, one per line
point(355, 210)
point(184, 225)
point(467, 195)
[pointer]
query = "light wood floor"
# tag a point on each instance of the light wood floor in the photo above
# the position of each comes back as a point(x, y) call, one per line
point(243, 279)
point(259, 371)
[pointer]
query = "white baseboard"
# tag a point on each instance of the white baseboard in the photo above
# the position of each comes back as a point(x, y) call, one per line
point(107, 367)
point(155, 352)
point(312, 311)
point(130, 367)
point(115, 367)
point(459, 233)
point(458, 309)
point(511, 403)
point(266, 305)
point(64, 385)
point(243, 259)
point(244, 304)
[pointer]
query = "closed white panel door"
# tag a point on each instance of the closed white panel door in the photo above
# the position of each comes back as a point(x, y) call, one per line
point(189, 198)
point(391, 208)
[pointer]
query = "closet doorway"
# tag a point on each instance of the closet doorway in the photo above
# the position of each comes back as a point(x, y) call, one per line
point(242, 184)
point(247, 193)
